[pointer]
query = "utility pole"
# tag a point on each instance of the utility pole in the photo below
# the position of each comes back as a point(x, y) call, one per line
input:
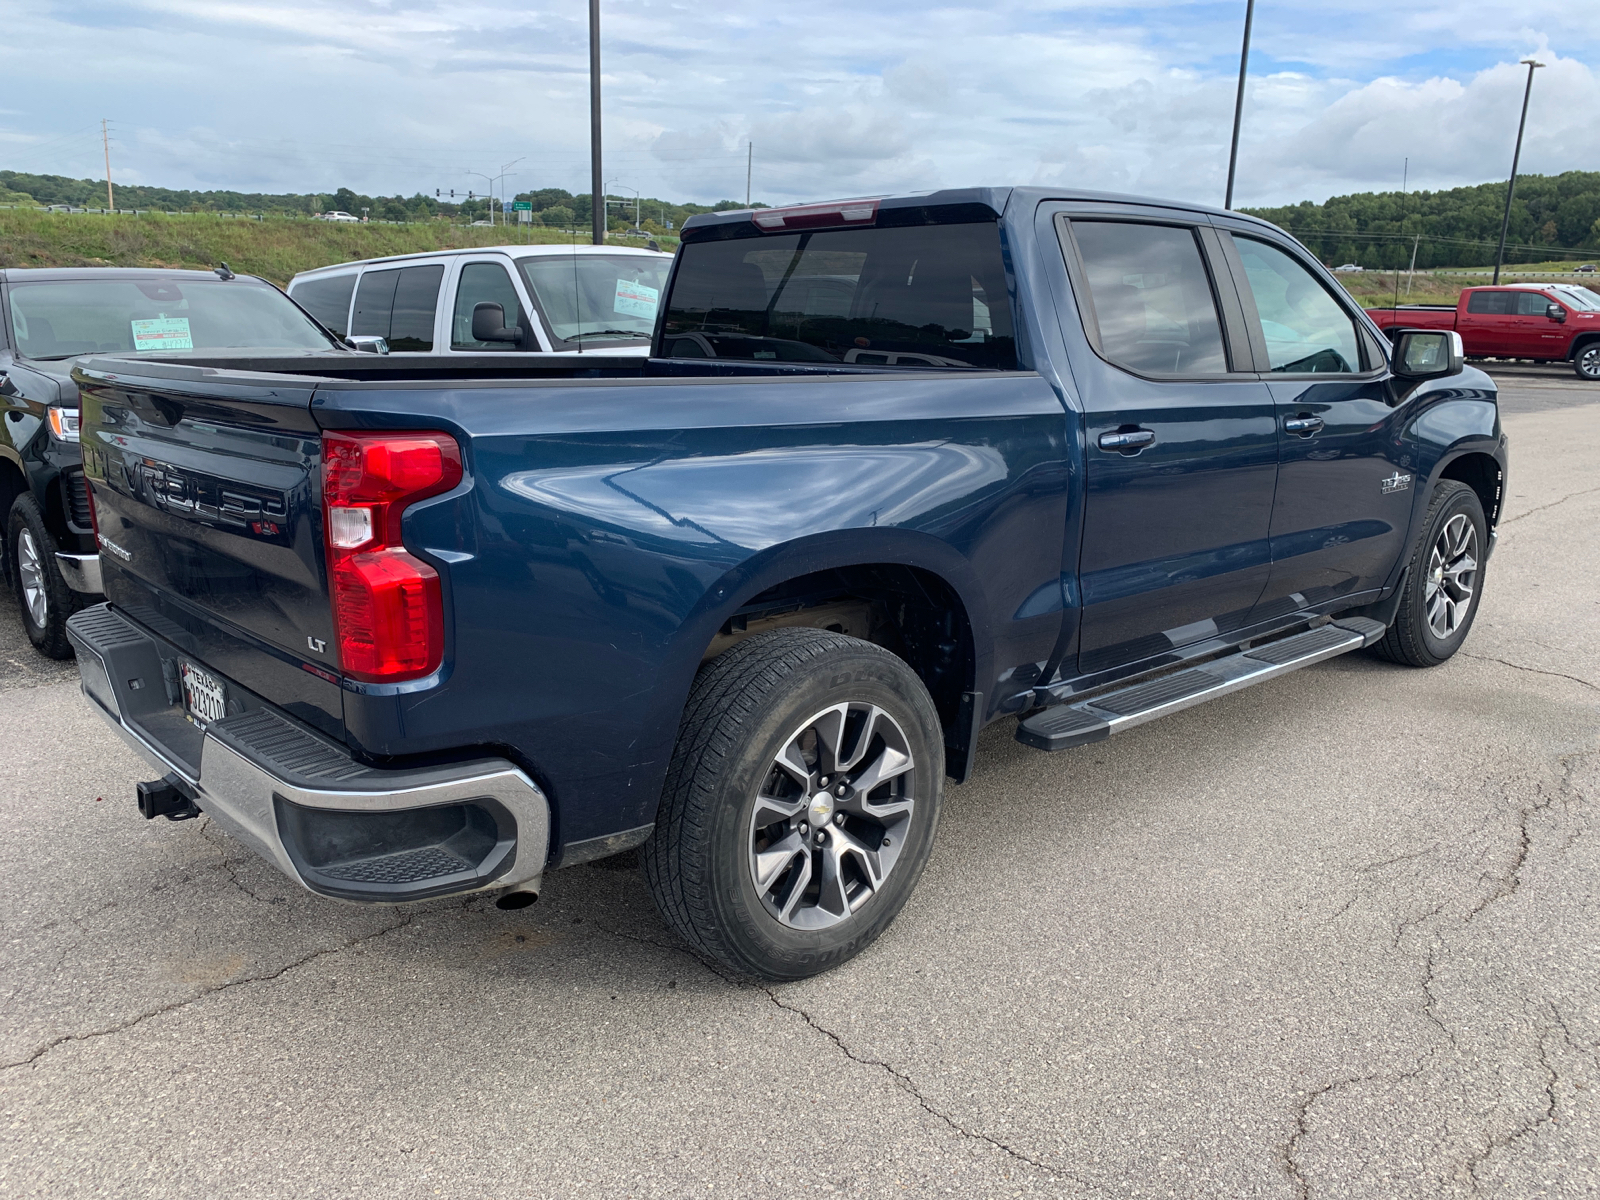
point(749, 162)
point(1516, 159)
point(105, 137)
point(1238, 103)
point(597, 198)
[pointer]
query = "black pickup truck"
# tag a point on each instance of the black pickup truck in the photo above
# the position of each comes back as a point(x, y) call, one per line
point(896, 468)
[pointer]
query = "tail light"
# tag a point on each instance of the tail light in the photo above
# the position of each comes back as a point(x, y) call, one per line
point(388, 615)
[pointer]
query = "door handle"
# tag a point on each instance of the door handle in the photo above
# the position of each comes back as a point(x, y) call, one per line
point(1131, 441)
point(1303, 425)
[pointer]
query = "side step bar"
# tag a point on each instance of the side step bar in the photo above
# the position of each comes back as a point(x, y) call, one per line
point(1067, 725)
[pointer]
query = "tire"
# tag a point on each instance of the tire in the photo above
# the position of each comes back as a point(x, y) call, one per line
point(729, 812)
point(1444, 581)
point(1586, 361)
point(43, 597)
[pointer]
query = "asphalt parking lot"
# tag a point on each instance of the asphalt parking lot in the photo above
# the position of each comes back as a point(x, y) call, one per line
point(1337, 935)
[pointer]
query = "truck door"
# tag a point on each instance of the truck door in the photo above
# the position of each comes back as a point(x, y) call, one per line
point(1345, 486)
point(1485, 322)
point(1533, 334)
point(1180, 439)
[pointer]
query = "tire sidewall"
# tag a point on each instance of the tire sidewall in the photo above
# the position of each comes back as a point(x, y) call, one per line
point(1579, 357)
point(864, 675)
point(1465, 501)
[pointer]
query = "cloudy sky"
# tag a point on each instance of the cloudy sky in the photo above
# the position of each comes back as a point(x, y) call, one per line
point(839, 97)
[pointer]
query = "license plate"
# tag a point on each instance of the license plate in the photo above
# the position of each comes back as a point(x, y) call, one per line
point(203, 695)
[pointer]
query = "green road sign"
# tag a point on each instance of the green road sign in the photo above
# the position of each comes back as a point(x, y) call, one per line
point(522, 206)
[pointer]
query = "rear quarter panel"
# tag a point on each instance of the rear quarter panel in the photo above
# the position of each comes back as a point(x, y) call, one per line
point(587, 565)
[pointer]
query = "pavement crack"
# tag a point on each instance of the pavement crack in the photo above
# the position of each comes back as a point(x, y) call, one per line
point(901, 1080)
point(122, 1026)
point(1531, 670)
point(1549, 1111)
point(1510, 880)
point(205, 831)
point(1547, 507)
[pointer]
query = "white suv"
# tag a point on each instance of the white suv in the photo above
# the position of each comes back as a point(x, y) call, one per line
point(499, 299)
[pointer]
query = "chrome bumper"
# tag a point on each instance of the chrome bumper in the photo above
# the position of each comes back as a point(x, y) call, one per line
point(81, 571)
point(300, 800)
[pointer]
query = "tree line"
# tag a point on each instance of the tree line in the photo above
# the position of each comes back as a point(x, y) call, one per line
point(554, 207)
point(1553, 218)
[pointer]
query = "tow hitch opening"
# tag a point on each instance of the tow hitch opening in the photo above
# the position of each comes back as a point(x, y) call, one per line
point(168, 797)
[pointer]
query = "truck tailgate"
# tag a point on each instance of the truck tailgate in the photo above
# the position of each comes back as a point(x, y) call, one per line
point(207, 502)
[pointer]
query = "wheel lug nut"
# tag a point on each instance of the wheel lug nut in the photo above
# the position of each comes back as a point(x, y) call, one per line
point(822, 838)
point(804, 829)
point(838, 818)
point(843, 788)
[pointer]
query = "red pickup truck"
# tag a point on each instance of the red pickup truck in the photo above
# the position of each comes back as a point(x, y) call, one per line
point(1546, 322)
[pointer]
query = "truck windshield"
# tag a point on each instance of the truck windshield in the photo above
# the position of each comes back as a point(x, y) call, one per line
point(1578, 297)
point(915, 296)
point(63, 318)
point(589, 299)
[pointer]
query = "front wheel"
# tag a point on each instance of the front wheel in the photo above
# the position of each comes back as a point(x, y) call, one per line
point(42, 594)
point(800, 804)
point(1586, 362)
point(1443, 583)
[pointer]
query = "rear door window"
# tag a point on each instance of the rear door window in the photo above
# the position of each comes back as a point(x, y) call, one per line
point(1152, 298)
point(399, 304)
point(1492, 303)
point(919, 296)
point(480, 283)
point(327, 299)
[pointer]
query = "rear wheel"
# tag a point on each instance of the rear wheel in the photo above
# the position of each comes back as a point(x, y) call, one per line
point(801, 803)
point(1586, 362)
point(43, 596)
point(1444, 582)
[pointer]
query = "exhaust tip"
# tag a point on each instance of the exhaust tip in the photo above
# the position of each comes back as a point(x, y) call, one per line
point(518, 897)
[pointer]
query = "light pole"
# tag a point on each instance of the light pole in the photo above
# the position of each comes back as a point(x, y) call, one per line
point(1516, 159)
point(490, 182)
point(597, 198)
point(635, 192)
point(1238, 101)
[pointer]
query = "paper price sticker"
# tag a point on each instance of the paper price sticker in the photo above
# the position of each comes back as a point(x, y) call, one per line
point(164, 333)
point(634, 299)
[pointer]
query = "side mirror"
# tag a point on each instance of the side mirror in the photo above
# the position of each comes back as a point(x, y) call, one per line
point(1556, 313)
point(489, 324)
point(367, 343)
point(1428, 353)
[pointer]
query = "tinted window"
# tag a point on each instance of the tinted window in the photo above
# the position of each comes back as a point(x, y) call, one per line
point(1532, 304)
point(593, 299)
point(1152, 298)
point(1494, 303)
point(65, 318)
point(327, 299)
point(922, 296)
point(399, 304)
point(1306, 329)
point(482, 283)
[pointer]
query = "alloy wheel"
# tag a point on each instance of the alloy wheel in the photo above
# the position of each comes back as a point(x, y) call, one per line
point(1452, 575)
point(1589, 361)
point(30, 574)
point(832, 814)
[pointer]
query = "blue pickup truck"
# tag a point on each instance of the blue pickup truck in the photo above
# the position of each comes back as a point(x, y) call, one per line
point(896, 469)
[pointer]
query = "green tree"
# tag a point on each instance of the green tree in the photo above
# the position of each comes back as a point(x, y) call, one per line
point(559, 216)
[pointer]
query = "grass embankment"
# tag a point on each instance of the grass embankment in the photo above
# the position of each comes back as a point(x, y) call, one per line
point(276, 248)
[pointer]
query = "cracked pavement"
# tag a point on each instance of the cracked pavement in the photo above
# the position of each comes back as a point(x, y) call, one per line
point(1336, 935)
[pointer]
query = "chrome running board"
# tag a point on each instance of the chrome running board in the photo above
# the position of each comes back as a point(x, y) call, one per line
point(1064, 726)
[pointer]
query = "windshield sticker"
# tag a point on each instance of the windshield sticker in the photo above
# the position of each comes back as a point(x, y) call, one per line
point(166, 333)
point(634, 299)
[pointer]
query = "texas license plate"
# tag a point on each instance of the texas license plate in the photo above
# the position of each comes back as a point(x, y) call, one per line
point(203, 695)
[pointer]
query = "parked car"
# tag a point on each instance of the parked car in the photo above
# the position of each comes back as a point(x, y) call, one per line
point(49, 318)
point(1347, 267)
point(338, 216)
point(1543, 322)
point(746, 604)
point(544, 299)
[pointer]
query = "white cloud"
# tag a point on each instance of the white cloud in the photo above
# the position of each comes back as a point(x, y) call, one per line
point(409, 95)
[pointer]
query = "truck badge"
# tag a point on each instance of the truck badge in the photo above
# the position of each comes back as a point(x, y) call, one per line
point(108, 544)
point(1396, 483)
point(316, 644)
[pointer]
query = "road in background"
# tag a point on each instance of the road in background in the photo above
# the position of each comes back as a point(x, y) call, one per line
point(1333, 935)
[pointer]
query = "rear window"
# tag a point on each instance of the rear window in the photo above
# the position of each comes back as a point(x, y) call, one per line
point(64, 318)
point(327, 299)
point(1495, 303)
point(918, 296)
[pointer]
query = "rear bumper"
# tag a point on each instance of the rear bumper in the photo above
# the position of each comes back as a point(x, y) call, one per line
point(81, 571)
point(300, 800)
